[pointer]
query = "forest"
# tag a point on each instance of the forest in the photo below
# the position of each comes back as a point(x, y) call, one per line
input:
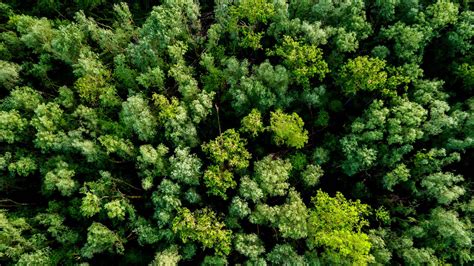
point(236, 132)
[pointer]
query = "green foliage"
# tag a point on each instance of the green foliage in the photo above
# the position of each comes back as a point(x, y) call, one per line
point(239, 208)
point(400, 174)
point(113, 144)
point(185, 167)
point(249, 245)
point(16, 240)
point(249, 189)
point(115, 209)
point(336, 223)
point(312, 174)
point(292, 216)
point(12, 126)
point(151, 163)
point(100, 239)
point(272, 175)
point(284, 253)
point(264, 88)
point(228, 148)
point(363, 74)
point(9, 75)
point(288, 129)
point(252, 123)
point(196, 132)
point(408, 40)
point(306, 61)
point(169, 256)
point(244, 20)
point(218, 181)
point(90, 204)
point(167, 201)
point(61, 179)
point(441, 186)
point(137, 116)
point(202, 226)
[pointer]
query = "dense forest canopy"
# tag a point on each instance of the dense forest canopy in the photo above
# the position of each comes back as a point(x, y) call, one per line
point(253, 132)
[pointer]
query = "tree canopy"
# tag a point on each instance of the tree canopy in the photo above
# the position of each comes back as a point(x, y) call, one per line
point(249, 132)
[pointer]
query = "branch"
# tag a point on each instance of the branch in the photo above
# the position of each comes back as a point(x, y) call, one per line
point(126, 183)
point(13, 203)
point(218, 119)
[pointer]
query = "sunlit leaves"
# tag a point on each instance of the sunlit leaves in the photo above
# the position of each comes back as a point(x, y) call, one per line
point(197, 132)
point(185, 167)
point(272, 175)
point(442, 187)
point(362, 74)
point(249, 245)
point(61, 179)
point(252, 123)
point(228, 148)
point(90, 204)
point(218, 181)
point(137, 115)
point(12, 126)
point(9, 74)
point(100, 239)
point(335, 224)
point(306, 61)
point(312, 174)
point(288, 129)
point(169, 256)
point(203, 226)
point(400, 174)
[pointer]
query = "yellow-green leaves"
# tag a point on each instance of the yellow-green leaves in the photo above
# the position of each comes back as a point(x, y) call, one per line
point(24, 166)
point(90, 204)
point(362, 74)
point(61, 179)
point(101, 239)
point(203, 226)
point(115, 209)
point(12, 126)
point(218, 181)
point(288, 129)
point(335, 224)
point(228, 152)
point(228, 148)
point(305, 61)
point(245, 18)
point(252, 123)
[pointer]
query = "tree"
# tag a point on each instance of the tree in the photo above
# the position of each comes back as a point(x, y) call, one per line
point(228, 148)
point(249, 245)
point(197, 132)
point(252, 123)
point(271, 175)
point(311, 174)
point(185, 167)
point(100, 239)
point(363, 74)
point(202, 226)
point(136, 115)
point(288, 129)
point(335, 224)
point(218, 181)
point(305, 60)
